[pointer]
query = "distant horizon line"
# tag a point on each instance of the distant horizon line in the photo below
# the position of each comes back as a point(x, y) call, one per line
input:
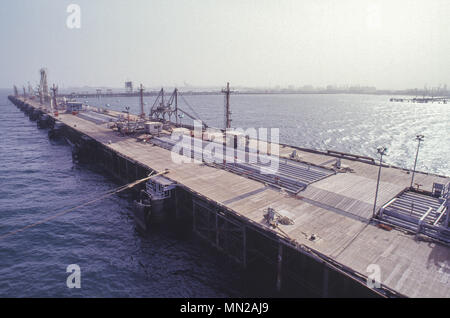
point(274, 88)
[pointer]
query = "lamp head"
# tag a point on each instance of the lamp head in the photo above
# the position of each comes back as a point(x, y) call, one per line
point(382, 150)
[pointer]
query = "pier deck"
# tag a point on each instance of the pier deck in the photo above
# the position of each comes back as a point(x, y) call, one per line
point(336, 209)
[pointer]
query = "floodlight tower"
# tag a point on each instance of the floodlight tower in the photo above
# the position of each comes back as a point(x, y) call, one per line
point(381, 151)
point(419, 138)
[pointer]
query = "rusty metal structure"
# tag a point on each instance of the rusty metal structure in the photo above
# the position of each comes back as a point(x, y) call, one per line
point(43, 86)
point(160, 108)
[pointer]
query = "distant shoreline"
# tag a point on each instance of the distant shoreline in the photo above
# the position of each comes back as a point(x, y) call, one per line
point(119, 93)
point(237, 92)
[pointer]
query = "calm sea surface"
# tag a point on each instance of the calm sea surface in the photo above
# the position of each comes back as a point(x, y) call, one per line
point(38, 179)
point(356, 124)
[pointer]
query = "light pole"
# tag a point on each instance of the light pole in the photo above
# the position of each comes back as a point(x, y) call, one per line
point(128, 118)
point(419, 138)
point(381, 151)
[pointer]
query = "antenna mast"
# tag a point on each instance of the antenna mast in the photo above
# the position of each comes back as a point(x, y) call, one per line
point(30, 90)
point(40, 95)
point(176, 105)
point(227, 113)
point(43, 85)
point(55, 91)
point(141, 94)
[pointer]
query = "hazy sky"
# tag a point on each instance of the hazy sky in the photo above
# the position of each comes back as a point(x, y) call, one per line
point(388, 44)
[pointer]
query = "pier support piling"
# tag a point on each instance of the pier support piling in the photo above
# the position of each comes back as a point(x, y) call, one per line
point(279, 266)
point(325, 281)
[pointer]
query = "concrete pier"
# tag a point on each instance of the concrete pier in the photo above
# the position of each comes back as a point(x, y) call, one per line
point(333, 242)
